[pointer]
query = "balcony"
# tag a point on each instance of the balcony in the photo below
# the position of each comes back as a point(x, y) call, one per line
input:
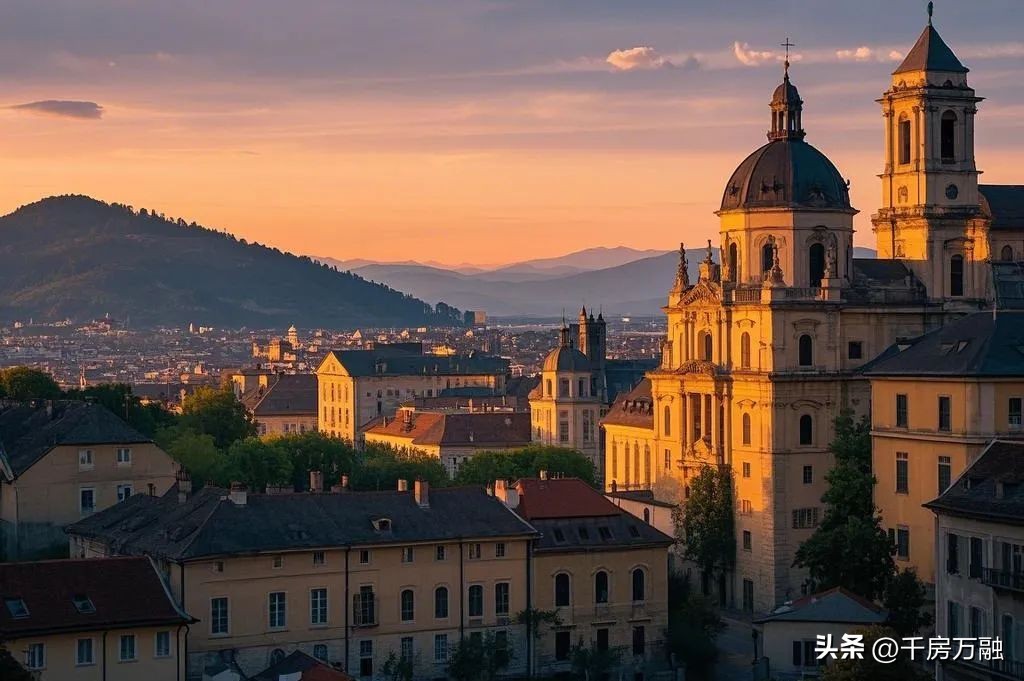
point(1003, 579)
point(364, 610)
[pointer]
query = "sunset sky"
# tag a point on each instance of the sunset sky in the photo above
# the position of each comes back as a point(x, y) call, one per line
point(478, 131)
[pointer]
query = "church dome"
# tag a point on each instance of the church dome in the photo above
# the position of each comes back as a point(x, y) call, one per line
point(786, 173)
point(786, 93)
point(566, 358)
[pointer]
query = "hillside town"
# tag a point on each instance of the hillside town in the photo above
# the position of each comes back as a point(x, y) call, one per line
point(807, 446)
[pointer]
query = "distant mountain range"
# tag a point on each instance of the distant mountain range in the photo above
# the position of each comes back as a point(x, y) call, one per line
point(621, 281)
point(79, 258)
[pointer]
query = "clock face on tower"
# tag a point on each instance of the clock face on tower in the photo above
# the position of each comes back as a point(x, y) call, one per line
point(952, 192)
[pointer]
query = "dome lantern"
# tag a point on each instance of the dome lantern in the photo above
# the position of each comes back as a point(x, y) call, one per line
point(787, 107)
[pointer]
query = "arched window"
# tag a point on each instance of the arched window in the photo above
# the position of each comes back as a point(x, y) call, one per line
point(745, 350)
point(563, 387)
point(476, 601)
point(947, 137)
point(563, 590)
point(441, 602)
point(734, 261)
point(647, 515)
point(806, 351)
point(746, 429)
point(601, 587)
point(904, 138)
point(767, 258)
point(816, 264)
point(708, 346)
point(408, 601)
point(667, 421)
point(806, 430)
point(1007, 253)
point(956, 275)
point(639, 585)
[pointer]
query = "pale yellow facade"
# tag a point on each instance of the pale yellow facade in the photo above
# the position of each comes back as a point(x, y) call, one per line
point(276, 426)
point(565, 413)
point(70, 482)
point(104, 661)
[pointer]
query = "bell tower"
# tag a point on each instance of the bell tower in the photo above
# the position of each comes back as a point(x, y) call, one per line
point(930, 200)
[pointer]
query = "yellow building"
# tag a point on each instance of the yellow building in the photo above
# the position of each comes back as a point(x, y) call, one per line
point(356, 386)
point(936, 403)
point(62, 461)
point(90, 620)
point(281, 404)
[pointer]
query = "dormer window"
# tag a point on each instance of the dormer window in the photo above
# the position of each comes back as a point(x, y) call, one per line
point(17, 608)
point(83, 604)
point(382, 524)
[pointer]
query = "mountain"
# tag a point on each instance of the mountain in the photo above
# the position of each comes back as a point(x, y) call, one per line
point(589, 259)
point(79, 258)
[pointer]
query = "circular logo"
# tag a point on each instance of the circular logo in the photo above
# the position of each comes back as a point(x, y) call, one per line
point(952, 192)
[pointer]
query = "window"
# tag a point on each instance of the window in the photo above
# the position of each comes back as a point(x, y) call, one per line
point(747, 540)
point(476, 601)
point(806, 430)
point(563, 644)
point(84, 652)
point(474, 551)
point(162, 644)
point(440, 647)
point(127, 648)
point(855, 350)
point(952, 619)
point(945, 473)
point(406, 649)
point(667, 420)
point(366, 658)
point(559, 535)
point(808, 475)
point(947, 137)
point(816, 264)
point(708, 346)
point(84, 459)
point(408, 602)
point(1007, 253)
point(977, 625)
point(601, 587)
point(501, 599)
point(318, 606)
point(746, 429)
point(277, 610)
point(17, 608)
point(562, 590)
point(35, 656)
point(441, 602)
point(746, 469)
point(805, 350)
point(563, 428)
point(83, 604)
point(745, 350)
point(804, 654)
point(977, 559)
point(440, 552)
point(945, 413)
point(746, 508)
point(218, 615)
point(639, 585)
point(408, 554)
point(86, 500)
point(904, 139)
point(364, 557)
point(278, 562)
point(563, 387)
point(1014, 418)
point(124, 456)
point(499, 549)
point(602, 639)
point(639, 644)
point(902, 412)
point(734, 261)
point(647, 518)
point(804, 518)
point(319, 558)
point(956, 275)
point(668, 459)
point(902, 537)
point(123, 492)
point(320, 652)
point(767, 258)
point(902, 473)
point(952, 554)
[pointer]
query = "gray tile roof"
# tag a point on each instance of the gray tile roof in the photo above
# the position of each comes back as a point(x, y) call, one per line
point(1003, 204)
point(1008, 279)
point(992, 488)
point(287, 394)
point(29, 430)
point(877, 281)
point(980, 344)
point(209, 524)
point(835, 605)
point(930, 53)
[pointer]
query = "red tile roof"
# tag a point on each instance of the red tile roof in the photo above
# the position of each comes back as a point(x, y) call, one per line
point(125, 592)
point(561, 498)
point(477, 429)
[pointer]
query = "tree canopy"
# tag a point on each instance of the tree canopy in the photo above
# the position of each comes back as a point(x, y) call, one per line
point(705, 524)
point(217, 413)
point(26, 383)
point(486, 467)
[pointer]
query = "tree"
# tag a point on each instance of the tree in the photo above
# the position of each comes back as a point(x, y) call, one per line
point(849, 548)
point(314, 451)
point(535, 619)
point(10, 669)
point(592, 663)
point(479, 658)
point(705, 523)
point(905, 599)
point(528, 462)
point(381, 467)
point(398, 667)
point(868, 669)
point(258, 463)
point(26, 383)
point(217, 413)
point(693, 627)
point(197, 453)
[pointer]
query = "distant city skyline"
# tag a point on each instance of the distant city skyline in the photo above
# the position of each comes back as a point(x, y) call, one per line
point(466, 131)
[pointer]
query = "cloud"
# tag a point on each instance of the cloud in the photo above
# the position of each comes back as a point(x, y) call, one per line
point(646, 57)
point(865, 53)
point(64, 108)
point(754, 57)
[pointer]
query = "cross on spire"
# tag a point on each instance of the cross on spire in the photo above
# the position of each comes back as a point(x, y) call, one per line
point(787, 45)
point(931, 9)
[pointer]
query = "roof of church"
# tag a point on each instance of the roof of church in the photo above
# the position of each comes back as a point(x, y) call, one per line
point(786, 92)
point(566, 358)
point(786, 173)
point(930, 53)
point(1003, 204)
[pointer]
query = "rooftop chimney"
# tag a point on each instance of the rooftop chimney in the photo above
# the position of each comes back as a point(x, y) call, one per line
point(508, 494)
point(543, 474)
point(403, 485)
point(238, 494)
point(344, 483)
point(184, 479)
point(316, 481)
point(421, 492)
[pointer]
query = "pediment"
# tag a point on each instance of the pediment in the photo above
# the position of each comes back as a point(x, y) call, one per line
point(702, 293)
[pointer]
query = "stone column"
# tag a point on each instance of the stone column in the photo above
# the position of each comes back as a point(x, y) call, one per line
point(712, 401)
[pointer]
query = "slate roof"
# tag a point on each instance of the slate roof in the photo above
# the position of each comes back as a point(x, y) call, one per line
point(979, 344)
point(573, 516)
point(28, 431)
point(309, 669)
point(466, 429)
point(285, 395)
point(643, 496)
point(209, 524)
point(1003, 204)
point(884, 281)
point(992, 488)
point(382, 362)
point(835, 605)
point(930, 53)
point(634, 408)
point(1008, 279)
point(124, 592)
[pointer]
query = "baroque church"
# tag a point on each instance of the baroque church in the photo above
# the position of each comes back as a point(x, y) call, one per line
point(763, 350)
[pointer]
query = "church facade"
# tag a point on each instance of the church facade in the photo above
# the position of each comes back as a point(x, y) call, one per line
point(763, 350)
